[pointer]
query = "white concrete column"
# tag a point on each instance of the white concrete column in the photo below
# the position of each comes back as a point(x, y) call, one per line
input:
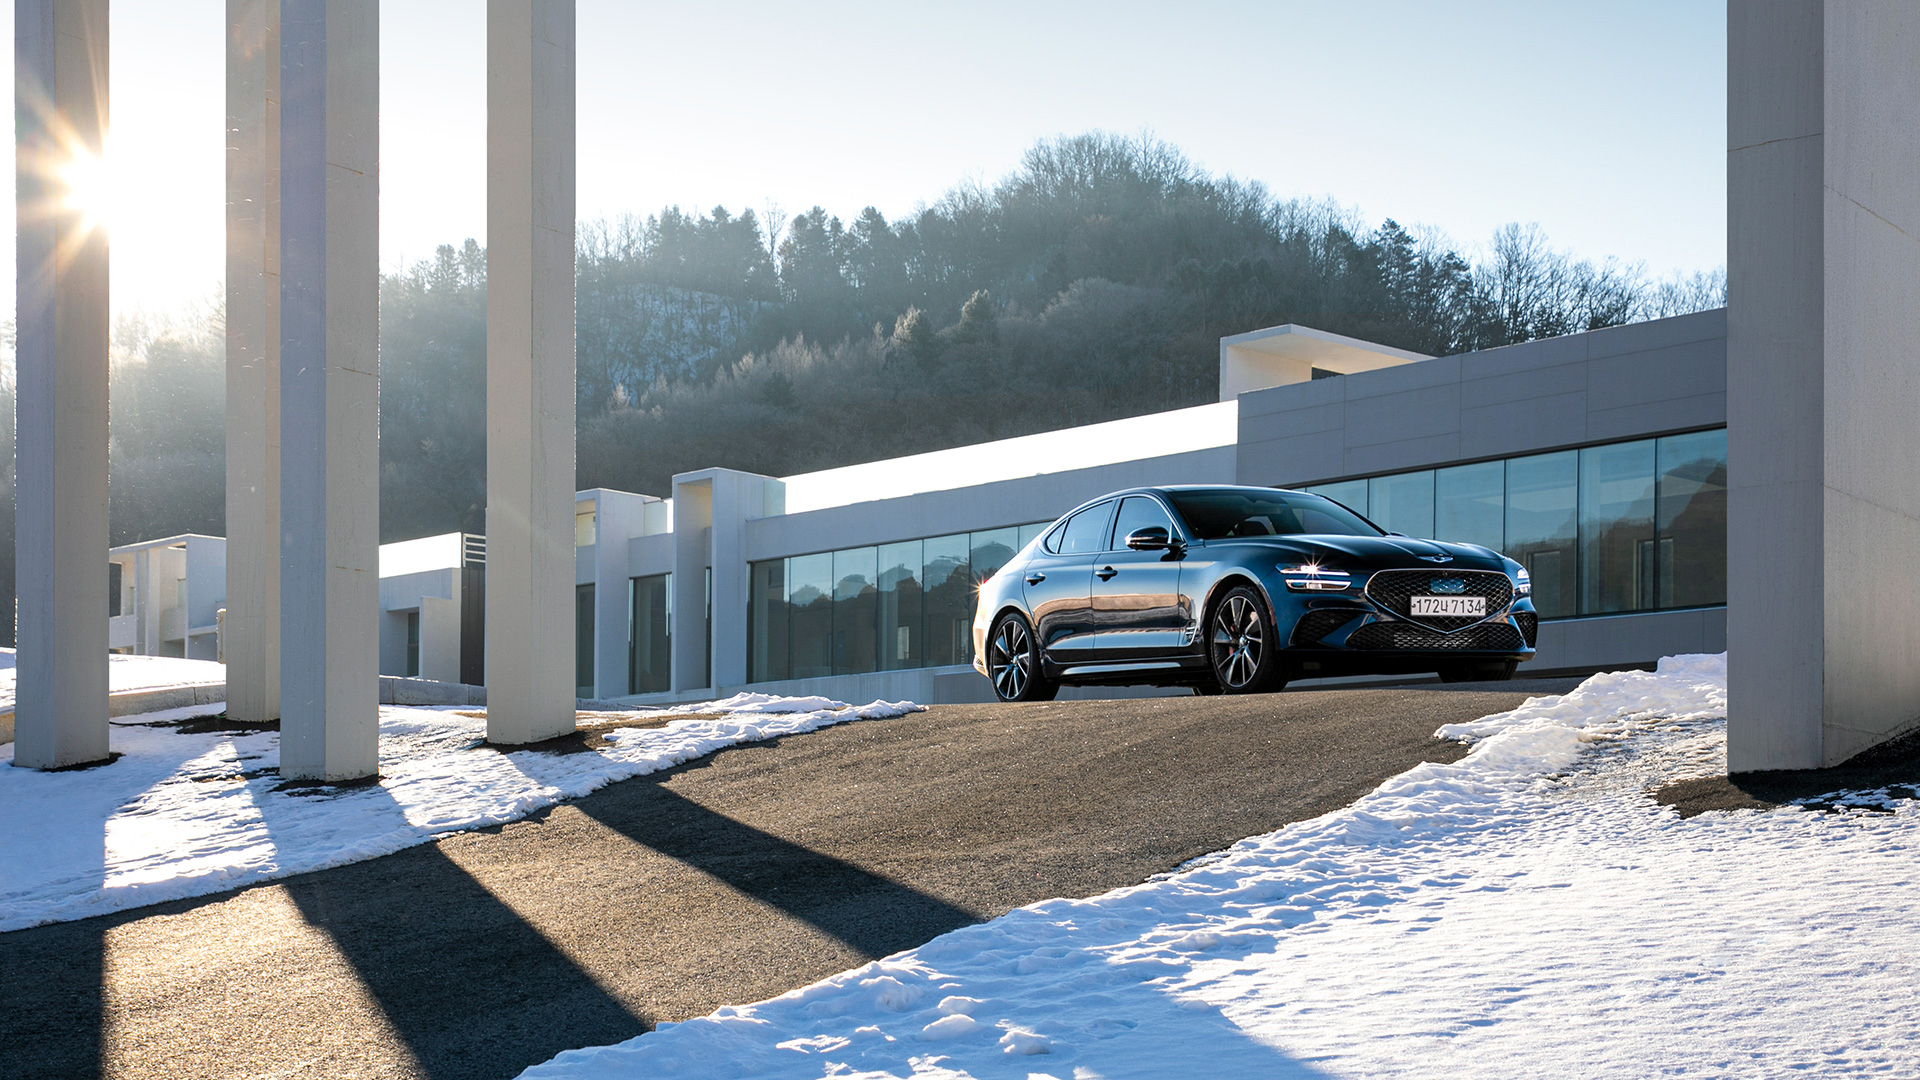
point(60, 113)
point(530, 370)
point(1823, 268)
point(253, 360)
point(329, 388)
point(711, 508)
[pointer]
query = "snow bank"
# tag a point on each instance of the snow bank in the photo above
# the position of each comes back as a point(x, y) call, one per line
point(184, 815)
point(129, 673)
point(1524, 911)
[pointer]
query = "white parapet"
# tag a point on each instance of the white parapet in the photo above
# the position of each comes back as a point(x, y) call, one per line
point(1823, 265)
point(60, 112)
point(251, 631)
point(530, 370)
point(329, 389)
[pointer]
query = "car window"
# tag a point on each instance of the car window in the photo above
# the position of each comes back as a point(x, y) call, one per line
point(1083, 533)
point(1138, 512)
point(1218, 514)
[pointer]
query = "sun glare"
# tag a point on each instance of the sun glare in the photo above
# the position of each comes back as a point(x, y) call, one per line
point(89, 188)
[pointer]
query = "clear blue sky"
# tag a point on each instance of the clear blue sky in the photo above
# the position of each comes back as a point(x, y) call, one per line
point(1603, 123)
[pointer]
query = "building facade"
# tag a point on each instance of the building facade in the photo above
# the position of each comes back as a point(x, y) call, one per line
point(1598, 460)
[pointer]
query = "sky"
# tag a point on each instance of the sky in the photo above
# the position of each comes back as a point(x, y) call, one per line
point(1602, 123)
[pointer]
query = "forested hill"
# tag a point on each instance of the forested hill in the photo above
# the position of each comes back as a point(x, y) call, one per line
point(1093, 282)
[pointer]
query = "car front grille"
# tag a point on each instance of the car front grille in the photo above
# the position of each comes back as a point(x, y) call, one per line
point(1395, 590)
point(1487, 637)
point(1320, 622)
point(1529, 626)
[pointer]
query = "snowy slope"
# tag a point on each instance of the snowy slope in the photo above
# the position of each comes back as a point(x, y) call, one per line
point(1526, 911)
point(130, 673)
point(184, 815)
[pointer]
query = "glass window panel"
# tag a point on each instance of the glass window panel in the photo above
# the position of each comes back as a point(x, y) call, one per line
point(991, 550)
point(949, 600)
point(768, 622)
point(1470, 504)
point(810, 611)
point(650, 629)
point(1083, 533)
point(1351, 494)
point(1618, 551)
point(1542, 532)
point(1692, 519)
point(1402, 503)
point(855, 611)
point(583, 641)
point(1028, 532)
point(902, 610)
point(1139, 512)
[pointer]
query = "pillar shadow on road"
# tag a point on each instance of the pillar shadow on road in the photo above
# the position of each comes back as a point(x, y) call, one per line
point(471, 987)
point(873, 915)
point(52, 1001)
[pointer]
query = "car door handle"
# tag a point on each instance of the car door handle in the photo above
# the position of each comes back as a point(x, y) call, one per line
point(1036, 578)
point(1105, 573)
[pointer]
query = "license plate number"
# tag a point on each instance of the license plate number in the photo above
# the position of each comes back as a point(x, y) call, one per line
point(1475, 606)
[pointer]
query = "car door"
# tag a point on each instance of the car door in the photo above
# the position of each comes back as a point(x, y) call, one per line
point(1057, 583)
point(1138, 612)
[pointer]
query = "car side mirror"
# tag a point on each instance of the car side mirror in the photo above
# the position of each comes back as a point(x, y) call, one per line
point(1151, 538)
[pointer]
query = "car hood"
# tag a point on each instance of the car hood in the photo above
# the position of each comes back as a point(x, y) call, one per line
point(1377, 552)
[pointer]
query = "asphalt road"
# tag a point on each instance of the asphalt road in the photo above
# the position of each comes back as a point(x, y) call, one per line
point(751, 872)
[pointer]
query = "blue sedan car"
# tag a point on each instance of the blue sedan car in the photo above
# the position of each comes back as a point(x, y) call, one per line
point(1239, 590)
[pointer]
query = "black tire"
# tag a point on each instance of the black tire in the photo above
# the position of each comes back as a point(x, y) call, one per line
point(1494, 671)
point(1242, 646)
point(1013, 661)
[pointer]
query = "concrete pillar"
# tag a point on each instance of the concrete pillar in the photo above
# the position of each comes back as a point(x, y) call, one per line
point(60, 116)
point(711, 508)
point(530, 370)
point(329, 388)
point(253, 360)
point(1823, 268)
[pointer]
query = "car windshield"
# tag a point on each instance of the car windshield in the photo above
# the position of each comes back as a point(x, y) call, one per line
point(1218, 514)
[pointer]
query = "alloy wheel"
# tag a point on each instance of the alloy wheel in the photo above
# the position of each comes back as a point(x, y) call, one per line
point(1238, 643)
point(1010, 659)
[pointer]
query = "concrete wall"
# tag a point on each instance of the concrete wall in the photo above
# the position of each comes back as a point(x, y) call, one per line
point(988, 506)
point(1823, 226)
point(1624, 382)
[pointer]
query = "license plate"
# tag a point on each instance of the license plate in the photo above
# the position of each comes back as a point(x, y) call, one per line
point(1475, 606)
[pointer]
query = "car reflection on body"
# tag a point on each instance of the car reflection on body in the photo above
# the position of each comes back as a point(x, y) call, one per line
point(1239, 590)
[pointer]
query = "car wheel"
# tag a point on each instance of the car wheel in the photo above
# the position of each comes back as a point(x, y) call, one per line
point(1013, 662)
point(1242, 645)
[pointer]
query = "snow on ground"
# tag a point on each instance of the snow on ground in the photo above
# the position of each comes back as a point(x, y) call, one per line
point(130, 673)
point(1526, 911)
point(187, 814)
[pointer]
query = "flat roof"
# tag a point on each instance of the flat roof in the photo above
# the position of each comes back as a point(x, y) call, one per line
point(1177, 431)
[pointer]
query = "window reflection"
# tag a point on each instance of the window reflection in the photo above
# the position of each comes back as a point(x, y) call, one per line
point(650, 632)
point(855, 611)
point(810, 608)
point(901, 606)
point(1692, 519)
point(1618, 554)
point(1351, 494)
point(949, 600)
point(1470, 504)
point(1402, 503)
point(1543, 527)
point(767, 622)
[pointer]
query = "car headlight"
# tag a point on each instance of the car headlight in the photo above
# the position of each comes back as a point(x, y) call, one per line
point(1312, 577)
point(1522, 583)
